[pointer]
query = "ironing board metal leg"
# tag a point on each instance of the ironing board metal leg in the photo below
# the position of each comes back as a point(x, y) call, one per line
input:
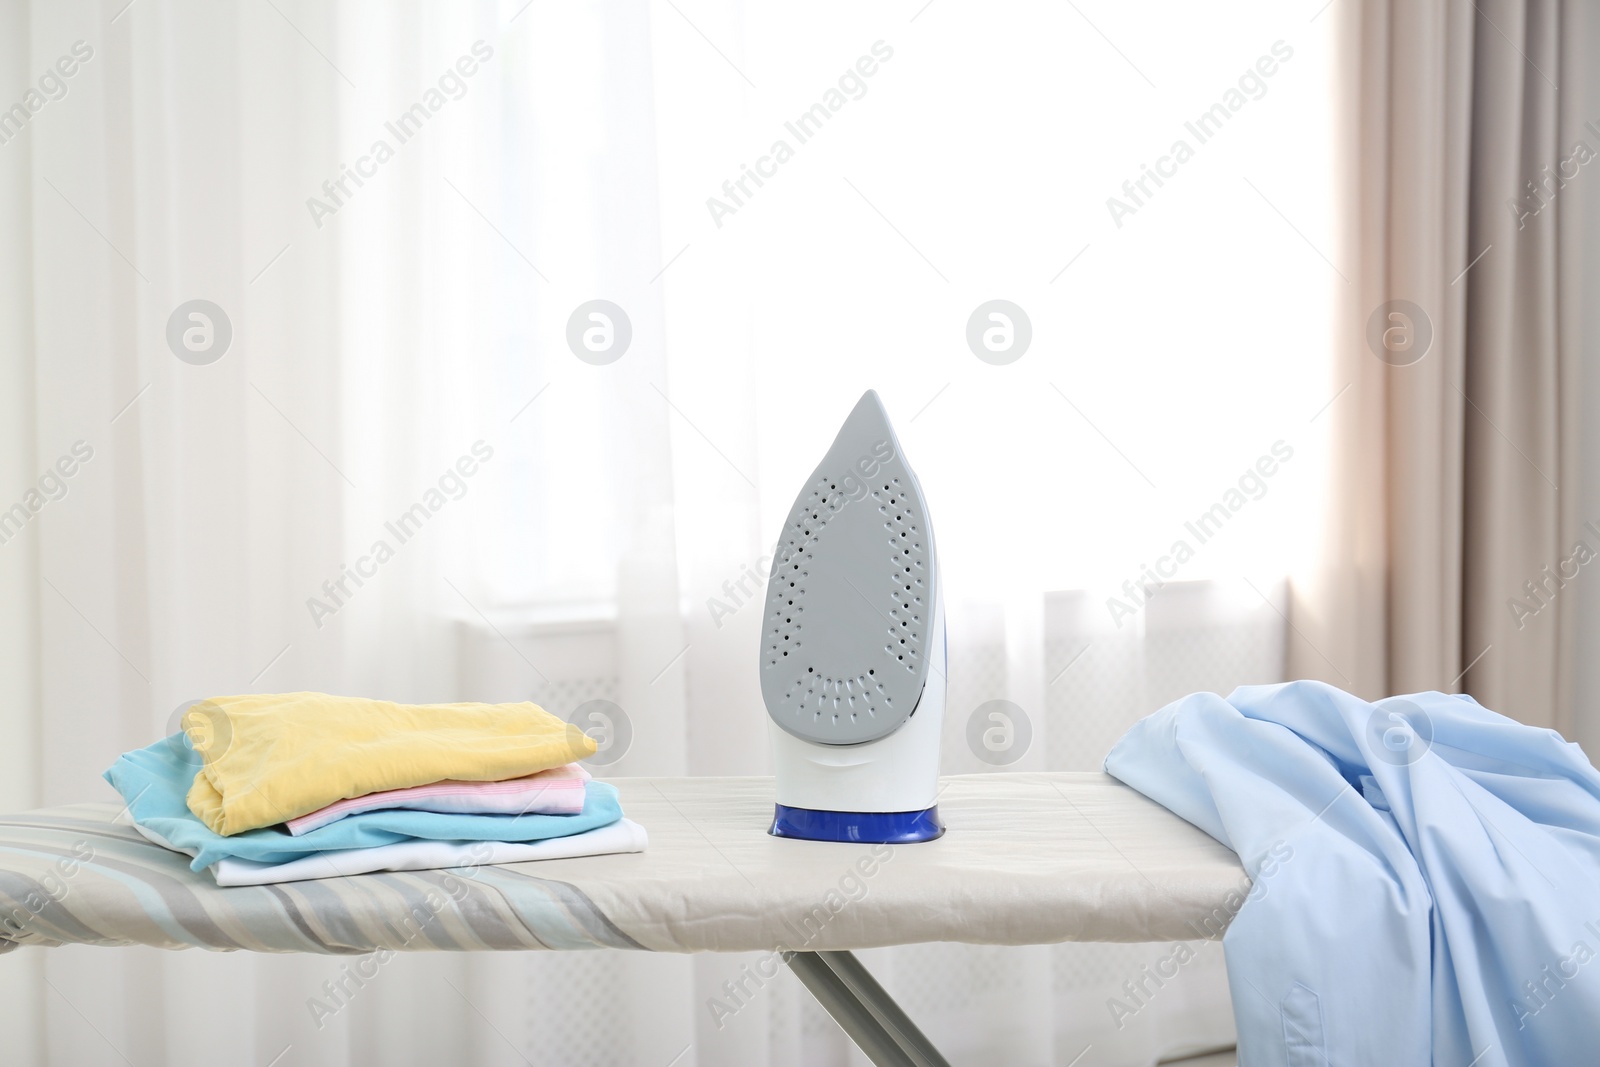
point(864, 1010)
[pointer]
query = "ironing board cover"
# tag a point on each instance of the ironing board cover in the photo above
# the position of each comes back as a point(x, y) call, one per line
point(1030, 858)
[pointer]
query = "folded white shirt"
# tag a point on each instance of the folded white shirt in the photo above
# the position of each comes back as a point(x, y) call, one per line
point(624, 835)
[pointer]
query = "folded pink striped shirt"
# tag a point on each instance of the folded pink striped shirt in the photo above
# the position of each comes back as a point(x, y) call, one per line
point(557, 791)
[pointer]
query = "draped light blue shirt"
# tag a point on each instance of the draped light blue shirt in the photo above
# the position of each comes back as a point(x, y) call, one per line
point(1440, 903)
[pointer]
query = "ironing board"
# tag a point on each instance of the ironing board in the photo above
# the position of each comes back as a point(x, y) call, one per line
point(1029, 858)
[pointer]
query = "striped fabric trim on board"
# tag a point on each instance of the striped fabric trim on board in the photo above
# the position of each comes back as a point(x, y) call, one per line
point(71, 874)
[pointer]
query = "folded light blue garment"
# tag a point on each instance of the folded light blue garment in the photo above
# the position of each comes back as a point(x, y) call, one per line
point(1427, 873)
point(155, 783)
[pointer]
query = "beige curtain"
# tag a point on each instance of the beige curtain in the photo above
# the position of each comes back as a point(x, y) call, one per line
point(1454, 432)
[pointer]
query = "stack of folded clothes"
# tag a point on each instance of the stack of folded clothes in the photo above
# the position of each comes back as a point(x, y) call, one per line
point(277, 788)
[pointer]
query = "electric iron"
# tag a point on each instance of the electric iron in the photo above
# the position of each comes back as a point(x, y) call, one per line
point(853, 647)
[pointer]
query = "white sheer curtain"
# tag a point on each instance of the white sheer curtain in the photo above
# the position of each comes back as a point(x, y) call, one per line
point(383, 328)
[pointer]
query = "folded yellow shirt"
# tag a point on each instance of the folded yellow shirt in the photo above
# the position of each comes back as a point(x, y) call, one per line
point(269, 758)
